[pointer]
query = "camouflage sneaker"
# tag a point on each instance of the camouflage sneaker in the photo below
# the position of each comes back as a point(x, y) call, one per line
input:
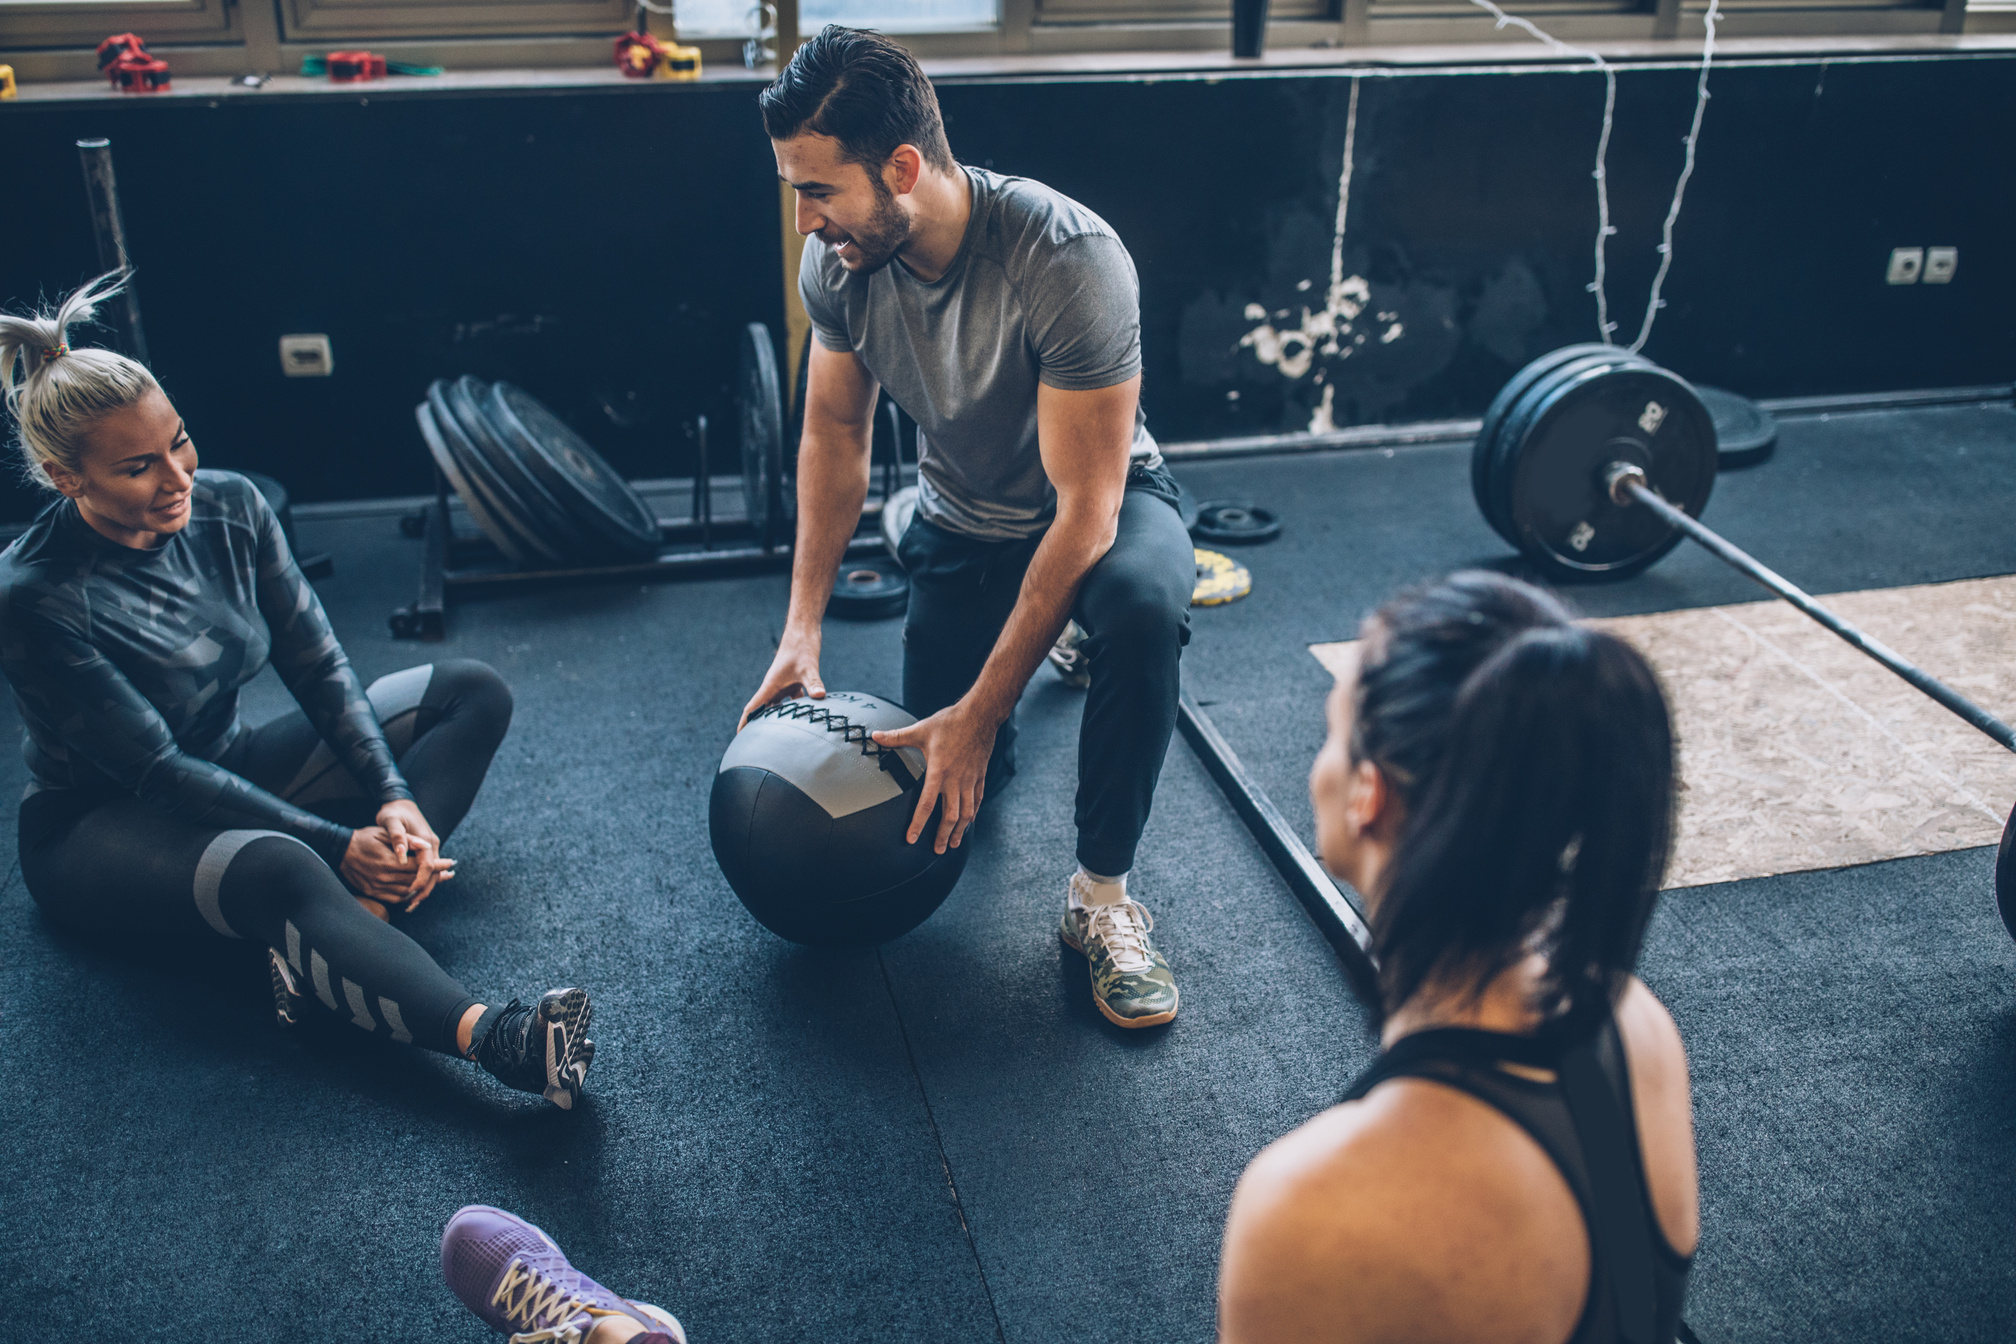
point(1073, 667)
point(287, 998)
point(1131, 983)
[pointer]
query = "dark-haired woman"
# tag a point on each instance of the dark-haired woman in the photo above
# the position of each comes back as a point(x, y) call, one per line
point(1518, 1165)
point(131, 613)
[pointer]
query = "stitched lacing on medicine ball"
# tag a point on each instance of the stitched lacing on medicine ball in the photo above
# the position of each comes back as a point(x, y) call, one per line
point(832, 722)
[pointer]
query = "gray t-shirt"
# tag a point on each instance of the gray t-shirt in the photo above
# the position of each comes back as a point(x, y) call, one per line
point(1041, 291)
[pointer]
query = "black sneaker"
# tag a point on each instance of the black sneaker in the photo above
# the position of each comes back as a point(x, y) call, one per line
point(544, 1048)
point(287, 1004)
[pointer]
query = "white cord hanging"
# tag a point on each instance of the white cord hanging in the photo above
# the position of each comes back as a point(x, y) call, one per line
point(1604, 326)
point(1655, 303)
point(1604, 228)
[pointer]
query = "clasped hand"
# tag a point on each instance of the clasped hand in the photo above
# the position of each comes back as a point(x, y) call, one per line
point(398, 861)
point(956, 743)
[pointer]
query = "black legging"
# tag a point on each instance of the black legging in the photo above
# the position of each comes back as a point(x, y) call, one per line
point(126, 868)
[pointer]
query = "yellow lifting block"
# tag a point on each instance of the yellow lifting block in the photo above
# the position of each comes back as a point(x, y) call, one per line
point(677, 62)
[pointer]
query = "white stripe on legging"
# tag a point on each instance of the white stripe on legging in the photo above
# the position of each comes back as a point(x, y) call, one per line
point(390, 1012)
point(211, 867)
point(359, 1014)
point(319, 972)
point(392, 696)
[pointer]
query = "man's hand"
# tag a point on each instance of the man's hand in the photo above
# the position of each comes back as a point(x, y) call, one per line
point(794, 671)
point(956, 742)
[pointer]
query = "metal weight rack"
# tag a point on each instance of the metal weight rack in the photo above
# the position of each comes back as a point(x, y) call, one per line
point(458, 563)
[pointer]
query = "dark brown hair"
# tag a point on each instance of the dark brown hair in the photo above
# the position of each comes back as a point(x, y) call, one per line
point(864, 91)
point(1534, 760)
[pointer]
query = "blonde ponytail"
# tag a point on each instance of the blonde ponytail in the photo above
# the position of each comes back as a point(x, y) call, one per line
point(55, 392)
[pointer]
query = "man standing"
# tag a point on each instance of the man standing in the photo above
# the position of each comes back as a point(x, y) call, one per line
point(1004, 318)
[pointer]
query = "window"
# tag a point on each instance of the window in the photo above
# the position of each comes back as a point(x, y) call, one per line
point(738, 18)
point(320, 20)
point(76, 23)
point(1172, 11)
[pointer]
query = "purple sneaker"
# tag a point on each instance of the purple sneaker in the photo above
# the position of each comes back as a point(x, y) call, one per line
point(513, 1276)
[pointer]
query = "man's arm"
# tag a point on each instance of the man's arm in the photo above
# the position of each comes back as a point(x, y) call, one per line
point(1085, 438)
point(833, 459)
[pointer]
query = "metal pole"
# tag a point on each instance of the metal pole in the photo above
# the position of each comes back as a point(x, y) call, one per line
point(110, 226)
point(1627, 485)
point(1330, 909)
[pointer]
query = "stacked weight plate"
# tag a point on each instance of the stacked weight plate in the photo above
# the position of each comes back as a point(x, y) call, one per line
point(533, 485)
point(1538, 463)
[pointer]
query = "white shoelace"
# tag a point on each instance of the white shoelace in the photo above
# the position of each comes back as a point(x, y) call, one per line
point(1123, 927)
point(528, 1296)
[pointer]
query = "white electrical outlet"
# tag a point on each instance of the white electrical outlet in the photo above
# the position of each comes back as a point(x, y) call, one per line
point(306, 356)
point(1905, 263)
point(1940, 263)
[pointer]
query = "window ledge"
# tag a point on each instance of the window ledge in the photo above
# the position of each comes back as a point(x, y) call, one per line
point(1217, 65)
point(1104, 65)
point(214, 89)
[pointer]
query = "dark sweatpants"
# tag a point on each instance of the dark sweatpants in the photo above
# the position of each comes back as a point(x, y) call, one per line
point(1135, 607)
point(121, 868)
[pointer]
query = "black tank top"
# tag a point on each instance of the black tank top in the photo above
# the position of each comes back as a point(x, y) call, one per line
point(1583, 1121)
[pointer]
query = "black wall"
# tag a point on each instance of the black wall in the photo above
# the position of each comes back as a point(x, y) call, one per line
point(1473, 218)
point(602, 247)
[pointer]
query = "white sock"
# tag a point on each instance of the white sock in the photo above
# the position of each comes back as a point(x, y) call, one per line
point(1102, 890)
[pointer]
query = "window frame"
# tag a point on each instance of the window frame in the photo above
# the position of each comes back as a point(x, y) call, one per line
point(228, 37)
point(393, 20)
point(34, 26)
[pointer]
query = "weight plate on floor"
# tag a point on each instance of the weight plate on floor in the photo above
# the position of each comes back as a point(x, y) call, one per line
point(1552, 462)
point(1745, 433)
point(437, 448)
point(762, 438)
point(497, 464)
point(1220, 579)
point(867, 590)
point(573, 472)
point(1234, 522)
point(502, 507)
point(1555, 369)
point(1501, 405)
point(897, 512)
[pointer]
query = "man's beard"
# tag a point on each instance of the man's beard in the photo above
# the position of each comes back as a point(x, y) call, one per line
point(877, 244)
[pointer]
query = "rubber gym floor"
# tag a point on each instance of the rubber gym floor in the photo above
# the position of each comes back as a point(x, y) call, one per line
point(942, 1139)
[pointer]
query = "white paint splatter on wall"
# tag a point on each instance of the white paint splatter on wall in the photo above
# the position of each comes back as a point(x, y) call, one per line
point(1330, 331)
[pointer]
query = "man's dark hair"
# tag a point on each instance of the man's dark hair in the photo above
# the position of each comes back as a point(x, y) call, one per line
point(861, 89)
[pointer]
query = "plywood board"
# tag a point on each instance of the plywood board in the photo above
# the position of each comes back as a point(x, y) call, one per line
point(1797, 752)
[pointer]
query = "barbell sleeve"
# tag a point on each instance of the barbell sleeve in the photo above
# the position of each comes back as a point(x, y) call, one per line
point(1627, 485)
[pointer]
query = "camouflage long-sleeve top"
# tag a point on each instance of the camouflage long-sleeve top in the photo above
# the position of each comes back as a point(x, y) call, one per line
point(127, 663)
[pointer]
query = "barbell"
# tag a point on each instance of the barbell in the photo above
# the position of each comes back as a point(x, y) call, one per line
point(1595, 462)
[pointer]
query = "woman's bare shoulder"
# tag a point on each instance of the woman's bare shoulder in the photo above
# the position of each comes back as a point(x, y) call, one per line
point(1358, 1225)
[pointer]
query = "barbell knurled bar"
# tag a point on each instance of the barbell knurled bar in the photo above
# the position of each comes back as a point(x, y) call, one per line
point(1626, 485)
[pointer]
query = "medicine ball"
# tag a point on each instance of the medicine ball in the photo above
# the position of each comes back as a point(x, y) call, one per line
point(808, 817)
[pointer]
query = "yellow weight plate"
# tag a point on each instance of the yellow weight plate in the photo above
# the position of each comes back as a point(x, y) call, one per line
point(1220, 579)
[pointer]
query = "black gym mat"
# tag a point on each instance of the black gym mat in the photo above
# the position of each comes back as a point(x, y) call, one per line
point(1852, 1033)
point(768, 1149)
point(1852, 1039)
point(945, 1141)
point(1850, 501)
point(755, 1152)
